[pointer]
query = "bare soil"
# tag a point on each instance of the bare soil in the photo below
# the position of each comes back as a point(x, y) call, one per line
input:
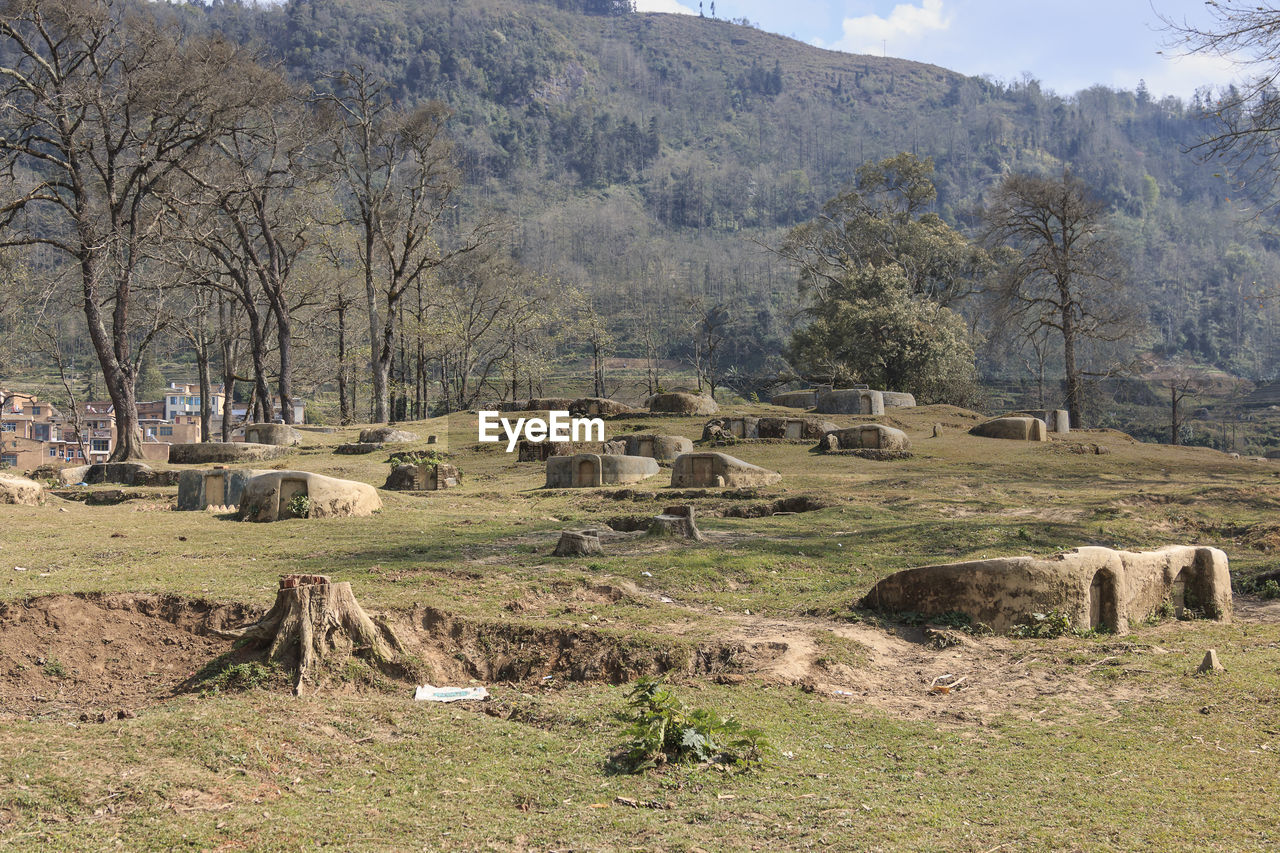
point(100, 655)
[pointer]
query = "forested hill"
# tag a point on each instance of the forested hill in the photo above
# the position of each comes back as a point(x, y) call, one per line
point(648, 155)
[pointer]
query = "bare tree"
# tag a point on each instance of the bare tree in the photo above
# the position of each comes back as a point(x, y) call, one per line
point(709, 322)
point(1245, 118)
point(255, 213)
point(398, 168)
point(1065, 274)
point(103, 106)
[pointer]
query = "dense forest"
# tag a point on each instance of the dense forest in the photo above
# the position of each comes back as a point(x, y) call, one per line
point(652, 163)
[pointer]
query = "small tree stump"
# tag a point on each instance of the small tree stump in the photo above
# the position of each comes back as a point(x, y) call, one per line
point(313, 621)
point(677, 522)
point(578, 543)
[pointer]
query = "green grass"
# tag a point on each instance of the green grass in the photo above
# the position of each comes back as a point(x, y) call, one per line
point(1142, 754)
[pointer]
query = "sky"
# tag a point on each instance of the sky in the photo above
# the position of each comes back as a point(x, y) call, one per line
point(1068, 45)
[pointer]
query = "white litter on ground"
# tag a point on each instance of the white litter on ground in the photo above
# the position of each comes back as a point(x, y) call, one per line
point(427, 693)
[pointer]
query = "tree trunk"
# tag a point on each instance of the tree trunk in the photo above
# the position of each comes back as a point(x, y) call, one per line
point(315, 622)
point(284, 339)
point(1069, 365)
point(206, 388)
point(345, 403)
point(377, 362)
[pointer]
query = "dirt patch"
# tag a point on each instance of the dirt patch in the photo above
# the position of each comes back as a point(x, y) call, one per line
point(796, 504)
point(68, 654)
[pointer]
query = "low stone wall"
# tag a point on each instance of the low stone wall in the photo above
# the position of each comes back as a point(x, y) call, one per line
point(213, 452)
point(796, 399)
point(278, 434)
point(681, 403)
point(1017, 429)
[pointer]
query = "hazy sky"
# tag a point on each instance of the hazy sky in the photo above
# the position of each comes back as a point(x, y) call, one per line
point(1067, 44)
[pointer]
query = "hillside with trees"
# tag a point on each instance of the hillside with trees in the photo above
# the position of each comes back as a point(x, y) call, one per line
point(646, 170)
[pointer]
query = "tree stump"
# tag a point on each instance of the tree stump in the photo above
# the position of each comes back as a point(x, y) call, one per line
point(677, 522)
point(578, 543)
point(313, 621)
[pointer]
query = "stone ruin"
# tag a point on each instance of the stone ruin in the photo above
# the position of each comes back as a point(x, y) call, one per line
point(865, 437)
point(587, 470)
point(797, 429)
point(1095, 587)
point(860, 400)
point(599, 407)
point(358, 448)
point(747, 427)
point(664, 448)
point(851, 401)
point(707, 470)
point(796, 399)
point(386, 435)
point(683, 403)
point(737, 426)
point(423, 477)
point(1055, 420)
point(124, 473)
point(279, 434)
point(1018, 429)
point(217, 488)
point(20, 491)
point(213, 452)
point(276, 495)
point(898, 400)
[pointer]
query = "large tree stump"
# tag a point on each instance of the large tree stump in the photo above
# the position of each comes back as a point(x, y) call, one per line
point(315, 620)
point(676, 521)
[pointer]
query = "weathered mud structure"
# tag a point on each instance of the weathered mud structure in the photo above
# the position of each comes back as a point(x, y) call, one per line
point(1016, 429)
point(718, 470)
point(796, 429)
point(214, 487)
point(278, 495)
point(1096, 587)
point(898, 400)
point(851, 401)
point(386, 435)
point(428, 477)
point(865, 437)
point(20, 491)
point(279, 434)
point(664, 448)
point(599, 407)
point(683, 403)
point(212, 452)
point(537, 404)
point(587, 470)
point(796, 399)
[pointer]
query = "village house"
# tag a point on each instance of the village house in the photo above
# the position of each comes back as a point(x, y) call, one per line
point(34, 432)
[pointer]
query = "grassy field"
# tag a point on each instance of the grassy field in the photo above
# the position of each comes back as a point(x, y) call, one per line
point(109, 738)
